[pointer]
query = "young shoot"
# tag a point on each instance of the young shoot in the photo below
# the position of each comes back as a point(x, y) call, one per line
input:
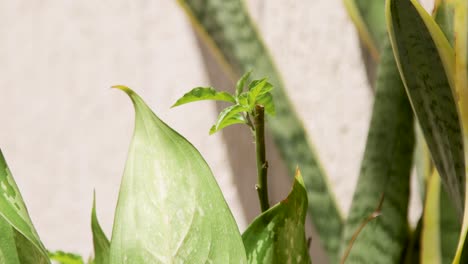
point(249, 104)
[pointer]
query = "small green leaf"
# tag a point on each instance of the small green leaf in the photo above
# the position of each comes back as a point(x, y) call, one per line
point(170, 208)
point(66, 257)
point(100, 241)
point(258, 88)
point(278, 234)
point(13, 211)
point(204, 93)
point(426, 63)
point(229, 116)
point(267, 101)
point(241, 83)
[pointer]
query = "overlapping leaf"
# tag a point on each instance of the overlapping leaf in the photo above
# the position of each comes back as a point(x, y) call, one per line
point(385, 170)
point(20, 242)
point(61, 257)
point(426, 63)
point(100, 241)
point(226, 26)
point(170, 209)
point(204, 93)
point(278, 234)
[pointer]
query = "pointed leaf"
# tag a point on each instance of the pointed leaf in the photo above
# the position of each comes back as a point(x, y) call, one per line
point(229, 116)
point(66, 257)
point(425, 61)
point(385, 170)
point(170, 208)
point(241, 83)
point(226, 27)
point(204, 93)
point(100, 241)
point(278, 234)
point(13, 210)
point(267, 101)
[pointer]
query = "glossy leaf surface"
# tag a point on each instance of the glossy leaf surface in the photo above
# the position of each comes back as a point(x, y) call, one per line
point(225, 27)
point(278, 234)
point(426, 61)
point(170, 208)
point(29, 248)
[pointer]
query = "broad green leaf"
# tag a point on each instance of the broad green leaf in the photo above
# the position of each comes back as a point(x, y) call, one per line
point(278, 234)
point(170, 208)
point(100, 241)
point(8, 253)
point(385, 170)
point(241, 83)
point(225, 26)
point(204, 93)
point(426, 63)
point(66, 258)
point(229, 116)
point(29, 248)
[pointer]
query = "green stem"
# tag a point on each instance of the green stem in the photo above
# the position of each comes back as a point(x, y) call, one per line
point(262, 164)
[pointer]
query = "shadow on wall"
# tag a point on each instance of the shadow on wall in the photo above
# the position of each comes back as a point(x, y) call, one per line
point(241, 154)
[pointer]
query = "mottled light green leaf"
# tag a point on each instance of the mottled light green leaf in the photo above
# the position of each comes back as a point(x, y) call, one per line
point(225, 26)
point(278, 234)
point(204, 93)
point(241, 83)
point(29, 248)
point(426, 63)
point(66, 257)
point(100, 241)
point(229, 116)
point(385, 170)
point(170, 208)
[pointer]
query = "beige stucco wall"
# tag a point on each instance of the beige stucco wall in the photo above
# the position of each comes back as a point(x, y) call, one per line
point(65, 133)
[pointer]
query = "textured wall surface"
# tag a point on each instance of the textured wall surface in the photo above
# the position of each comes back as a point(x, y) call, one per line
point(65, 133)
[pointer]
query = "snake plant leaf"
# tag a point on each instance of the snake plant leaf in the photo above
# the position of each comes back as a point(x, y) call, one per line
point(241, 83)
point(229, 116)
point(426, 62)
point(29, 248)
point(443, 14)
point(100, 241)
point(204, 93)
point(367, 16)
point(61, 257)
point(441, 228)
point(226, 27)
point(385, 170)
point(278, 234)
point(170, 208)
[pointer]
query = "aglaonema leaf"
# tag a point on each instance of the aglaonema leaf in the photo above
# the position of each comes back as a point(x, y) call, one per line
point(278, 234)
point(170, 208)
point(385, 170)
point(204, 93)
point(225, 26)
point(100, 241)
point(426, 63)
point(13, 213)
point(66, 257)
point(229, 116)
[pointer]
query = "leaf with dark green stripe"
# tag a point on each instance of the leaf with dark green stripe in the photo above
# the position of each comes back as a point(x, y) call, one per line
point(385, 170)
point(278, 234)
point(425, 61)
point(204, 93)
point(13, 212)
point(100, 241)
point(226, 26)
point(170, 208)
point(369, 21)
